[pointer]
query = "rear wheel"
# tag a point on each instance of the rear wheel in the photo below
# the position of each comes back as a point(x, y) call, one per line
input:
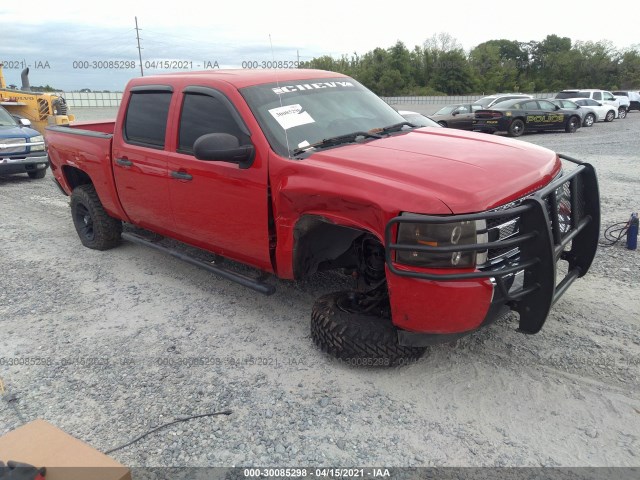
point(622, 112)
point(517, 128)
point(344, 328)
point(610, 116)
point(96, 229)
point(572, 125)
point(589, 120)
point(37, 173)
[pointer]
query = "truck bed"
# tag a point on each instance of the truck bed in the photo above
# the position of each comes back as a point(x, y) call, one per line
point(86, 147)
point(101, 127)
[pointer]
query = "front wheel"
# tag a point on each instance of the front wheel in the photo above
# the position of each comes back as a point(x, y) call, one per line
point(610, 116)
point(96, 229)
point(589, 120)
point(572, 125)
point(517, 128)
point(360, 338)
point(622, 113)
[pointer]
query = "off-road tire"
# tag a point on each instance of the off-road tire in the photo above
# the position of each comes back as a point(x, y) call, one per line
point(96, 229)
point(34, 174)
point(589, 120)
point(610, 116)
point(516, 128)
point(572, 125)
point(358, 339)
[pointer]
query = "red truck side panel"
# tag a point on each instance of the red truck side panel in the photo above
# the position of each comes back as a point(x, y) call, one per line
point(143, 187)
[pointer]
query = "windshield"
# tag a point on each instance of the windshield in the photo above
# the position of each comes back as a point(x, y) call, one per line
point(446, 110)
point(299, 115)
point(6, 120)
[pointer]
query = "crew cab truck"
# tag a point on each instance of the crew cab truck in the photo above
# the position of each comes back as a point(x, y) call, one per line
point(297, 171)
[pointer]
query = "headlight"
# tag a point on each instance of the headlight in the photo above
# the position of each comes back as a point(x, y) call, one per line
point(441, 235)
point(37, 139)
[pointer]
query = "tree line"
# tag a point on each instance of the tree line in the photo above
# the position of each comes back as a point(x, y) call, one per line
point(441, 66)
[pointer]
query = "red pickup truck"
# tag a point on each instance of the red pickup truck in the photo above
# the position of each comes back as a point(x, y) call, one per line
point(298, 171)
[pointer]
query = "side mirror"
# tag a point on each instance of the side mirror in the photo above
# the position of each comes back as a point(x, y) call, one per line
point(222, 147)
point(455, 112)
point(25, 122)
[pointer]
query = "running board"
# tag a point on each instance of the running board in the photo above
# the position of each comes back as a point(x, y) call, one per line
point(252, 283)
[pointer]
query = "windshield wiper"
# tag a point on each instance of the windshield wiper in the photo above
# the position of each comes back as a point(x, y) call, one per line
point(333, 141)
point(397, 127)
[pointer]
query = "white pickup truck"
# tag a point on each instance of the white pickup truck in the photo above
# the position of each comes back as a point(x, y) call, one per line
point(603, 96)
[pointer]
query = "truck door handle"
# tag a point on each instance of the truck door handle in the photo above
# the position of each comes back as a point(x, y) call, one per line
point(124, 162)
point(181, 175)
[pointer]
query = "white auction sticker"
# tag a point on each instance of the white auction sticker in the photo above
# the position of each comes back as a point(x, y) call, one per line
point(291, 116)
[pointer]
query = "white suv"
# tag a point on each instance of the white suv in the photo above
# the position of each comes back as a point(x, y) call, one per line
point(603, 96)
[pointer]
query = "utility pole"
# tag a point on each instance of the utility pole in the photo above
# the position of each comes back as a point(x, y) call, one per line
point(139, 49)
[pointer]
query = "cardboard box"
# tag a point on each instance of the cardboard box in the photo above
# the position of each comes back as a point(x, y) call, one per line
point(42, 445)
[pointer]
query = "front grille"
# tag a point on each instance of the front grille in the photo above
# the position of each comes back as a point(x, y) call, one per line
point(12, 145)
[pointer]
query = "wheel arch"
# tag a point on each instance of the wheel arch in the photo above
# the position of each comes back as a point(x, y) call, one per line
point(319, 242)
point(74, 177)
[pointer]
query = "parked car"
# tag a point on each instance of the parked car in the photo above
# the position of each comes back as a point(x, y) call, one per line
point(491, 100)
point(588, 116)
point(634, 98)
point(21, 148)
point(418, 119)
point(517, 116)
point(459, 115)
point(604, 112)
point(300, 171)
point(603, 96)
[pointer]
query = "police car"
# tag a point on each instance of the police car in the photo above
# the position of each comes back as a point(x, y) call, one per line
point(517, 116)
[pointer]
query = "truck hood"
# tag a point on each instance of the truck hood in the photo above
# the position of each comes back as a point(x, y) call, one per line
point(467, 171)
point(12, 131)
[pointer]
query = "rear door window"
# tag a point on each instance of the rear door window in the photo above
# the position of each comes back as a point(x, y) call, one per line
point(146, 118)
point(546, 106)
point(597, 96)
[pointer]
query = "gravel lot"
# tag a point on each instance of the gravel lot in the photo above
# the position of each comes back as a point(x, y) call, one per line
point(114, 337)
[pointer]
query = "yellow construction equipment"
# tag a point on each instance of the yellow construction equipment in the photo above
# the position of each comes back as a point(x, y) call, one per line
point(41, 109)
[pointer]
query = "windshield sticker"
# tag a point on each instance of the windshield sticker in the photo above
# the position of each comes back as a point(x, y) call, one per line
point(311, 86)
point(291, 116)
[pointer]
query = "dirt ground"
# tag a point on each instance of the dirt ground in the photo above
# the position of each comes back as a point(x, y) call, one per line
point(111, 344)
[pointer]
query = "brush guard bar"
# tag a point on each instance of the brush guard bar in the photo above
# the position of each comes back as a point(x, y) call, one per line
point(559, 222)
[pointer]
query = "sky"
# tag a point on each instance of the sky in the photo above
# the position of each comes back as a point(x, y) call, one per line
point(61, 43)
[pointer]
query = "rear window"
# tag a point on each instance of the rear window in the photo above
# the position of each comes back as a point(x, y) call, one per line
point(146, 120)
point(484, 101)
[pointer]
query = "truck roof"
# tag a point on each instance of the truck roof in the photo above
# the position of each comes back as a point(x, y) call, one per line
point(240, 78)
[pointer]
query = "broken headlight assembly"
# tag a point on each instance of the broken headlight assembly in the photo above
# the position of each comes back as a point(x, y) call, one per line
point(435, 235)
